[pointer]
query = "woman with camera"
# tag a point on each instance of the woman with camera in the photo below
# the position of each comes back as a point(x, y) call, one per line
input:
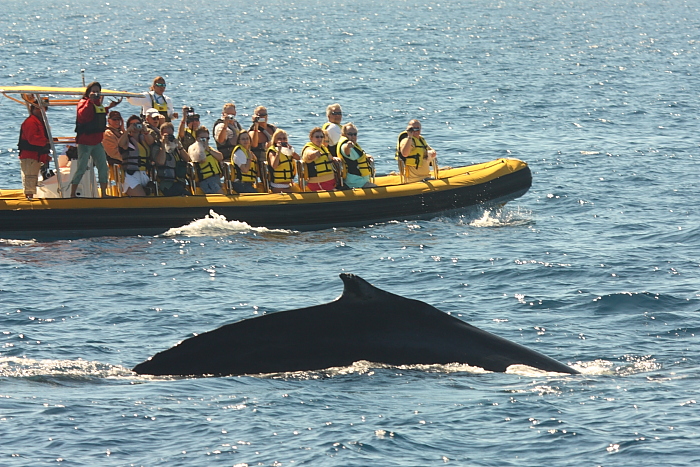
point(90, 125)
point(136, 156)
point(414, 151)
point(281, 158)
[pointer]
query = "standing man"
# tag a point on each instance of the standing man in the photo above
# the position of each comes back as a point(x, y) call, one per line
point(226, 130)
point(34, 148)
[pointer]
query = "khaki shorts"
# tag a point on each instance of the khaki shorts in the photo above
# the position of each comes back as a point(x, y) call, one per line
point(30, 175)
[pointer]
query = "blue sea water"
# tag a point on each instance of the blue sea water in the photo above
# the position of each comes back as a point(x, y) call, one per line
point(596, 266)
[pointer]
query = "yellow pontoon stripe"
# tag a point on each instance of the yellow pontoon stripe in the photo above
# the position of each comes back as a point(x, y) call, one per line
point(452, 178)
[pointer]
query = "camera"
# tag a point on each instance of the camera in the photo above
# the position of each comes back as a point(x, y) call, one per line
point(188, 110)
point(230, 117)
point(256, 119)
point(284, 144)
point(170, 138)
point(192, 118)
point(138, 126)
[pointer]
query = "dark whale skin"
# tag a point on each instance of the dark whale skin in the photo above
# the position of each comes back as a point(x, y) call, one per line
point(365, 323)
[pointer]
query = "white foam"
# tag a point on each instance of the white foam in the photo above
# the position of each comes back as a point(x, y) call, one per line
point(502, 217)
point(20, 367)
point(215, 224)
point(11, 242)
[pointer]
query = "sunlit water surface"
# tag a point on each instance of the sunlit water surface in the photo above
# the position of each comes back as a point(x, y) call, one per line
point(597, 266)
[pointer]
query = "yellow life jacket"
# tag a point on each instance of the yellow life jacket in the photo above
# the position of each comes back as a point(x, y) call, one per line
point(209, 167)
point(322, 164)
point(418, 152)
point(161, 108)
point(359, 166)
point(252, 174)
point(286, 169)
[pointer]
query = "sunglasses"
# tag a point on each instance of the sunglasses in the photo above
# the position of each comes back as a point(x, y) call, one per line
point(415, 129)
point(336, 113)
point(317, 136)
point(161, 85)
point(351, 134)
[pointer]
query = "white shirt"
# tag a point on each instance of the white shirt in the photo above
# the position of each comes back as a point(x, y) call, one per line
point(146, 103)
point(239, 158)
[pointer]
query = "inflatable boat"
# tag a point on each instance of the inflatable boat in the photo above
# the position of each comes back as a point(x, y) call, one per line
point(453, 190)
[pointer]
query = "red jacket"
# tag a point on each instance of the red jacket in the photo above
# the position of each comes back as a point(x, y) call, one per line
point(86, 114)
point(33, 132)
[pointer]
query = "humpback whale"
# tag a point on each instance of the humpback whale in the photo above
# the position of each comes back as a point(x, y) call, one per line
point(364, 323)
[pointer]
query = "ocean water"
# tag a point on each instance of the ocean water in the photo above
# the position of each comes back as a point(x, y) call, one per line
point(596, 266)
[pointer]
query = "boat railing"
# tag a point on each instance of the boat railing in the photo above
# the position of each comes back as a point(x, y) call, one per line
point(228, 174)
point(302, 175)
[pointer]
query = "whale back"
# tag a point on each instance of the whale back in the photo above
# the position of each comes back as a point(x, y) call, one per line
point(364, 323)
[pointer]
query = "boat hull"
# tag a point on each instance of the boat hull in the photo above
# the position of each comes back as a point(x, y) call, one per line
point(506, 179)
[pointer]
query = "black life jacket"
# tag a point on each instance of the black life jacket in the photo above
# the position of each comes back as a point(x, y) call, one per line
point(226, 148)
point(98, 124)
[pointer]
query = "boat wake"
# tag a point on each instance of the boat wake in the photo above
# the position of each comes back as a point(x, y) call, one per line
point(215, 224)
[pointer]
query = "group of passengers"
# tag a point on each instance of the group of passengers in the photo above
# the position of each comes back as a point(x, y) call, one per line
point(153, 157)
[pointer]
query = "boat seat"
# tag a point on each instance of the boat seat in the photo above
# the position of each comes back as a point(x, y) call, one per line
point(116, 179)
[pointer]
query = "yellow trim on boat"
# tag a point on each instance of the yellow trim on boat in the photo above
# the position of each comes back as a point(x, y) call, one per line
point(450, 179)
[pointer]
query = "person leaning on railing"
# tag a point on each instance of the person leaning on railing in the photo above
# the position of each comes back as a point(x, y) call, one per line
point(155, 98)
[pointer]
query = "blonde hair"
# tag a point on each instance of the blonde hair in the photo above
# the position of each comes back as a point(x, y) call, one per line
point(331, 108)
point(346, 127)
point(278, 132)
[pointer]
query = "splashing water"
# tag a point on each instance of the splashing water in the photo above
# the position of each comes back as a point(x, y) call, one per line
point(215, 224)
point(502, 217)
